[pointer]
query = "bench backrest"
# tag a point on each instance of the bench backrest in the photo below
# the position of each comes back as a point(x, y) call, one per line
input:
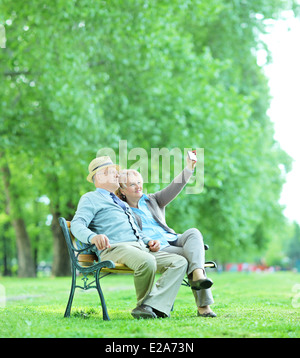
point(82, 258)
point(85, 259)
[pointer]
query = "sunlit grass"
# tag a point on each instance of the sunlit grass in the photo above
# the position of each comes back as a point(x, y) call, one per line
point(247, 305)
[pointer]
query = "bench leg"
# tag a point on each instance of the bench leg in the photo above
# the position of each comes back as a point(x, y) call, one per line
point(102, 300)
point(69, 305)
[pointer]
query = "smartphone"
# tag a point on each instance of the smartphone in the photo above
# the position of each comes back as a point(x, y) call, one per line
point(192, 155)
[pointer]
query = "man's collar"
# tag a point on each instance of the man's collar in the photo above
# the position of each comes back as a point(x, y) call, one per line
point(103, 191)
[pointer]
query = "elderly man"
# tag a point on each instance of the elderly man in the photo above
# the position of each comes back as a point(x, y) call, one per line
point(104, 220)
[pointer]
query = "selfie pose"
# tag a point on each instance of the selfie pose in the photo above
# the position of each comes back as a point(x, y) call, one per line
point(107, 222)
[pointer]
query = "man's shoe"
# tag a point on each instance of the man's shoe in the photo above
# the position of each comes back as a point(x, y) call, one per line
point(144, 312)
point(160, 314)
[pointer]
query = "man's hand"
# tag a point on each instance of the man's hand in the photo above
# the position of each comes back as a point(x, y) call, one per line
point(101, 241)
point(154, 245)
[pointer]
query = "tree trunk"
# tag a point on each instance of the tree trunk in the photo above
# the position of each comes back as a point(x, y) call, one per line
point(26, 267)
point(6, 253)
point(61, 259)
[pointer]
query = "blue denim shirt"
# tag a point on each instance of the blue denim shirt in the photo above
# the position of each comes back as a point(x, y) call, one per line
point(151, 227)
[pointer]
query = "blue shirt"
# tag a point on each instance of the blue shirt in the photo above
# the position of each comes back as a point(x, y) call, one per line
point(151, 227)
point(98, 214)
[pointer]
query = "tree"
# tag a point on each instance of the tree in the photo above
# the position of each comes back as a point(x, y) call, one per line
point(14, 210)
point(79, 76)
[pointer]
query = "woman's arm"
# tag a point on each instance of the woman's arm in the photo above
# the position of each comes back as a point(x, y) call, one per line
point(166, 195)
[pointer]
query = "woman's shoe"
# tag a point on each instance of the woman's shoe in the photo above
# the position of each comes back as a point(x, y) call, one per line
point(202, 284)
point(207, 314)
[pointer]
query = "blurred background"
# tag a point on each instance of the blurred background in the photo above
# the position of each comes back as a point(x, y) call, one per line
point(81, 75)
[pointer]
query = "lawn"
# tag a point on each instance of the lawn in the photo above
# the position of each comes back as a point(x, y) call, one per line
point(247, 305)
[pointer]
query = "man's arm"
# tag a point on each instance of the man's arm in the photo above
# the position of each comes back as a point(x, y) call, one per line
point(83, 216)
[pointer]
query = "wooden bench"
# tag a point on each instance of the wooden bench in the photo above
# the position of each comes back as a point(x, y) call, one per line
point(87, 263)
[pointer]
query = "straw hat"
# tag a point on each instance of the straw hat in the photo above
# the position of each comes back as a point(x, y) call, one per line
point(98, 164)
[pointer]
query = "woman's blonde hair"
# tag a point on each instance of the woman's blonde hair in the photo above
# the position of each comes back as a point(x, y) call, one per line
point(123, 179)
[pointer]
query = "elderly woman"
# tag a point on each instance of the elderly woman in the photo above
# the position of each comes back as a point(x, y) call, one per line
point(150, 214)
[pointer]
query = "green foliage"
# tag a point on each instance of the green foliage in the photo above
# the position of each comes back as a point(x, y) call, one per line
point(78, 76)
point(293, 246)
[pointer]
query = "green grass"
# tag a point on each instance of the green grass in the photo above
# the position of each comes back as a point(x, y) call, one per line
point(247, 305)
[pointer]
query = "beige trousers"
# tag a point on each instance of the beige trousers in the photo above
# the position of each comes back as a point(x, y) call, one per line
point(145, 264)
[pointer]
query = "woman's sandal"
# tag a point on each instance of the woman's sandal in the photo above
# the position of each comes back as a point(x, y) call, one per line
point(207, 314)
